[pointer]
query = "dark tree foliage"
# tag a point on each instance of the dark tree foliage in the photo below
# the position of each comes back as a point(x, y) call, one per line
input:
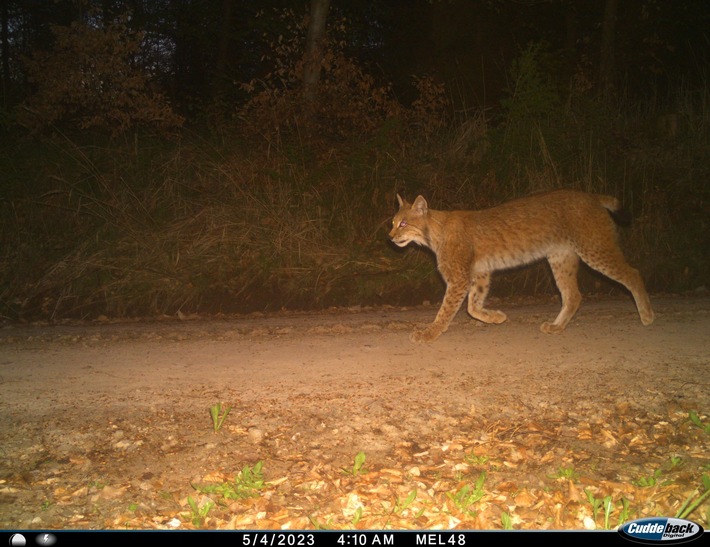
point(201, 51)
point(90, 80)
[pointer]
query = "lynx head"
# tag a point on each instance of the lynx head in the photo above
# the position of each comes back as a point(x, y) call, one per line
point(410, 223)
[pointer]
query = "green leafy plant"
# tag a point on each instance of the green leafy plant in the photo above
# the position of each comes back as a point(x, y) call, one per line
point(246, 484)
point(357, 516)
point(218, 416)
point(607, 505)
point(320, 526)
point(506, 521)
point(687, 508)
point(472, 459)
point(695, 419)
point(648, 481)
point(625, 511)
point(358, 465)
point(468, 495)
point(199, 512)
point(595, 502)
point(568, 473)
point(400, 505)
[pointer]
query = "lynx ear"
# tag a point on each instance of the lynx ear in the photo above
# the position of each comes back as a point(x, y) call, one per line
point(401, 201)
point(420, 205)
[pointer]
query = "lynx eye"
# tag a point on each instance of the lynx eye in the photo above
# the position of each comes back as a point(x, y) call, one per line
point(402, 223)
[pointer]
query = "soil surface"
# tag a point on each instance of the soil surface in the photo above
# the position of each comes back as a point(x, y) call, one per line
point(107, 425)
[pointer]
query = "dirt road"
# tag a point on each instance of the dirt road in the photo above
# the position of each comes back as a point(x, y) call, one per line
point(107, 425)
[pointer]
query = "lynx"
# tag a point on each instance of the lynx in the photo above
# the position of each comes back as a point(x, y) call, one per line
point(561, 226)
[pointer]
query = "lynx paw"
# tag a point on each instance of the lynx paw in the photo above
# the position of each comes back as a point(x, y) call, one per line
point(647, 318)
point(424, 335)
point(496, 317)
point(551, 328)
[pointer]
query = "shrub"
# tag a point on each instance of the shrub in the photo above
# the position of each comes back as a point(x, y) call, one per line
point(88, 80)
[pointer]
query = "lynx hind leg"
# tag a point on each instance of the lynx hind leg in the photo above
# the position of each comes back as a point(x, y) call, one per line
point(564, 268)
point(477, 296)
point(612, 264)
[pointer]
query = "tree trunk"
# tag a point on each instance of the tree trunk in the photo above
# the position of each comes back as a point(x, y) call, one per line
point(223, 51)
point(606, 58)
point(314, 48)
point(570, 29)
point(5, 37)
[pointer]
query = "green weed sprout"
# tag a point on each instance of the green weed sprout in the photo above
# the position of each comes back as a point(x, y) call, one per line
point(218, 416)
point(468, 495)
point(245, 485)
point(358, 465)
point(199, 513)
point(687, 508)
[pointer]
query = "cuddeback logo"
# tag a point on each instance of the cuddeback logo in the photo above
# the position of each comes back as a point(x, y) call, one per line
point(661, 530)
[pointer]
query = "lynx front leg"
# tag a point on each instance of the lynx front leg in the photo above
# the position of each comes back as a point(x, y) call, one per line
point(476, 297)
point(455, 293)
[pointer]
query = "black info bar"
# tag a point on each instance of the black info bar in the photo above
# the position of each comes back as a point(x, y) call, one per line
point(294, 538)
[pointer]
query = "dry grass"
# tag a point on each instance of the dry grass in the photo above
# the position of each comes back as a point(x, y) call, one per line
point(153, 227)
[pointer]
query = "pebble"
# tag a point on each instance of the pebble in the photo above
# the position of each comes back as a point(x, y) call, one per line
point(256, 435)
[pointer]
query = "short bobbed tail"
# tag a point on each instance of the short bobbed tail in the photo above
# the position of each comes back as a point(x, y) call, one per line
point(620, 215)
